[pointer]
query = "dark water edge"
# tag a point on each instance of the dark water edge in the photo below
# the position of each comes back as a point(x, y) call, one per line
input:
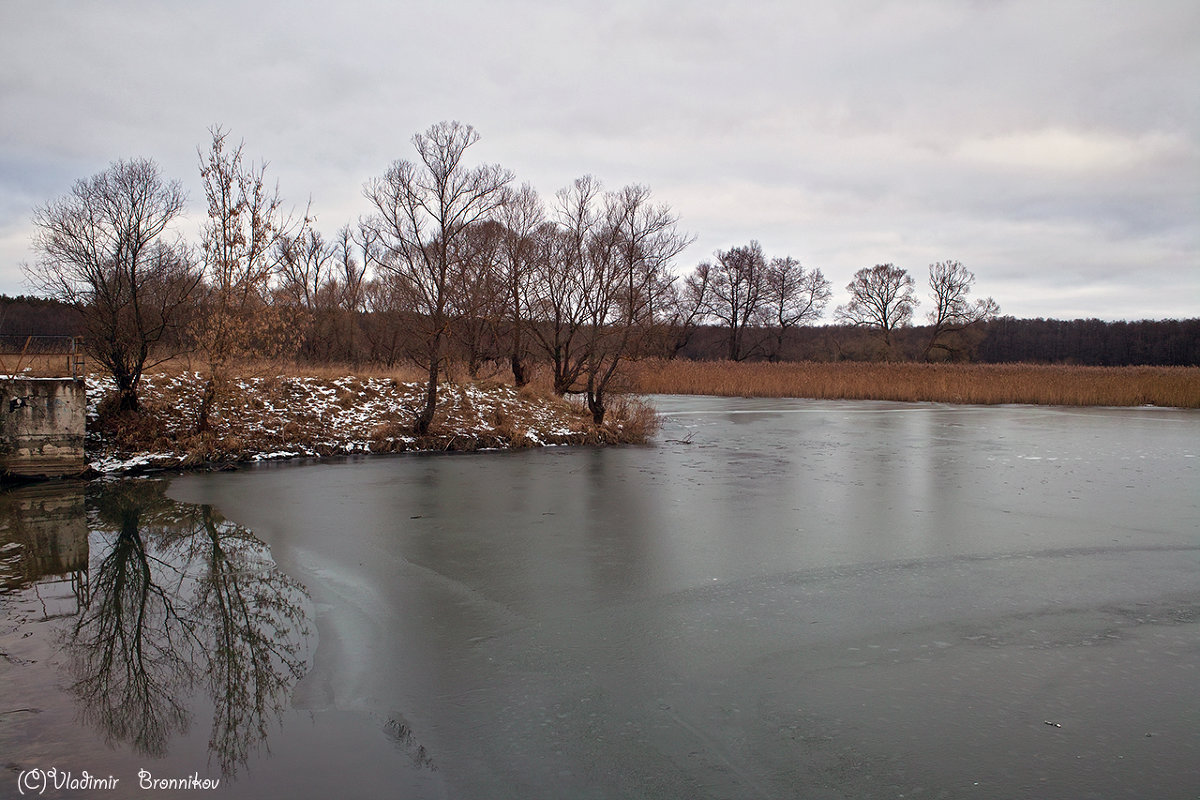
point(780, 599)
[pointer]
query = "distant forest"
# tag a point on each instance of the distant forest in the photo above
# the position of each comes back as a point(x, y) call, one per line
point(374, 338)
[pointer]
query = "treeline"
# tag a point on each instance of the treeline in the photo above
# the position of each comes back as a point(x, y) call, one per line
point(359, 337)
point(1086, 342)
point(1091, 342)
point(25, 315)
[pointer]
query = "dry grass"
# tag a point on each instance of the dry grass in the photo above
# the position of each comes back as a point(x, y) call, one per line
point(287, 368)
point(39, 365)
point(276, 414)
point(982, 384)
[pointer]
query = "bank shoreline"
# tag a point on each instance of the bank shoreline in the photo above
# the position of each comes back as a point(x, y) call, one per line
point(272, 418)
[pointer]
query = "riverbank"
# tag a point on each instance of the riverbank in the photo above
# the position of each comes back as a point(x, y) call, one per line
point(279, 417)
point(973, 384)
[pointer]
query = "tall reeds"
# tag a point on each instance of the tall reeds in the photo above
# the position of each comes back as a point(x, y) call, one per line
point(983, 384)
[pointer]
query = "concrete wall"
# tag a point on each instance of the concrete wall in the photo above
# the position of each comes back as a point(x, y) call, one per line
point(42, 425)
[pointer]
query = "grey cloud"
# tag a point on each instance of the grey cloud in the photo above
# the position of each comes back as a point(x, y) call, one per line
point(1013, 136)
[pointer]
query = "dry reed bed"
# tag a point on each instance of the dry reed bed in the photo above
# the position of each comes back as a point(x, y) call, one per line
point(983, 384)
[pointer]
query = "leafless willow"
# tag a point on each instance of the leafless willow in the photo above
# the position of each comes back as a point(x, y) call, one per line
point(881, 300)
point(953, 313)
point(107, 248)
point(422, 209)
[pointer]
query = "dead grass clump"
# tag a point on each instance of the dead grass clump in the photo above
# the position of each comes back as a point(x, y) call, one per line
point(129, 430)
point(529, 393)
point(384, 437)
point(631, 419)
point(507, 430)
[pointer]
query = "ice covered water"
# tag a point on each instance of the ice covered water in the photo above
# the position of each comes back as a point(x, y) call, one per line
point(779, 598)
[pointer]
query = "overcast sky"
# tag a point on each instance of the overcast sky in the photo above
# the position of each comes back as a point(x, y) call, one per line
point(1051, 147)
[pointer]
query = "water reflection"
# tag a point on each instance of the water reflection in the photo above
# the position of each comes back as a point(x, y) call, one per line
point(176, 604)
point(43, 536)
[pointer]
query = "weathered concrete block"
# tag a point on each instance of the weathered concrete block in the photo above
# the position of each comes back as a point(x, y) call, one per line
point(42, 425)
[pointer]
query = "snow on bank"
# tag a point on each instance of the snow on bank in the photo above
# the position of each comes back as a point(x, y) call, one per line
point(264, 418)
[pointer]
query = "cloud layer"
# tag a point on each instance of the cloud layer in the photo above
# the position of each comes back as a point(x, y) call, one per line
point(1053, 148)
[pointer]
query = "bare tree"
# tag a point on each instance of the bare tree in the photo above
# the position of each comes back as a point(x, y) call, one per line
point(240, 244)
point(352, 258)
point(105, 249)
point(950, 283)
point(736, 285)
point(687, 308)
point(599, 291)
point(309, 275)
point(422, 209)
point(792, 296)
point(630, 264)
point(350, 264)
point(881, 299)
point(304, 266)
point(476, 296)
point(559, 292)
point(521, 214)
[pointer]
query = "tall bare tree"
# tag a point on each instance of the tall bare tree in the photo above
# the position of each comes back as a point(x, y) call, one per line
point(558, 294)
point(687, 308)
point(307, 281)
point(521, 214)
point(736, 284)
point(106, 248)
point(881, 300)
point(422, 208)
point(304, 264)
point(476, 295)
point(950, 283)
point(631, 256)
point(240, 244)
point(792, 296)
point(352, 259)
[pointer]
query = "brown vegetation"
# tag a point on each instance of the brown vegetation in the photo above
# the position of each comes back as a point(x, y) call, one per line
point(294, 412)
point(945, 383)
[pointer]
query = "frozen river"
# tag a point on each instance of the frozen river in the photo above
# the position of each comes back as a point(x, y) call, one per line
point(778, 599)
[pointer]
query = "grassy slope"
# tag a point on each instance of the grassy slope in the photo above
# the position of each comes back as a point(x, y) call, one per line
point(282, 416)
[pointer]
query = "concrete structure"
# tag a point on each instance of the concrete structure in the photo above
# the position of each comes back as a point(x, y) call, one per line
point(42, 425)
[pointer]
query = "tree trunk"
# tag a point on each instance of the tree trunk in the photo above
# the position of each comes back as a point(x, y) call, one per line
point(520, 376)
point(425, 418)
point(127, 396)
point(595, 401)
point(206, 403)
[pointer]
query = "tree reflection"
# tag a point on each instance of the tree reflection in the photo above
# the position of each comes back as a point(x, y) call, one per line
point(132, 649)
point(256, 630)
point(182, 599)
